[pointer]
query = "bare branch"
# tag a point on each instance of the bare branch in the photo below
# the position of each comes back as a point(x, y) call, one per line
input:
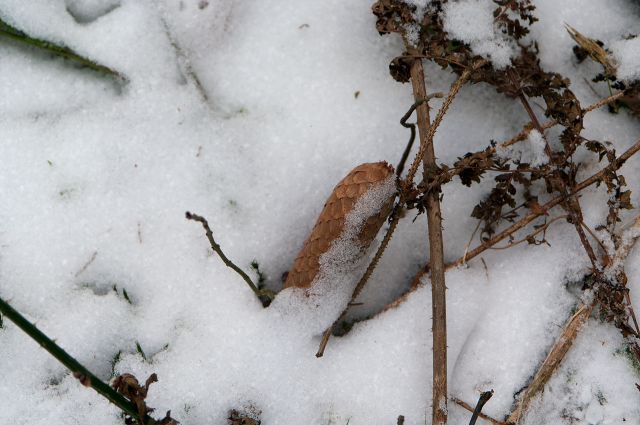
point(466, 406)
point(264, 296)
point(484, 398)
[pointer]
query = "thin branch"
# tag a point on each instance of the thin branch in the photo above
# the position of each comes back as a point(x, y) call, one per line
point(551, 363)
point(431, 129)
point(363, 280)
point(569, 333)
point(466, 406)
point(547, 206)
point(573, 204)
point(552, 123)
point(436, 251)
point(264, 296)
point(484, 398)
point(466, 248)
point(87, 264)
point(85, 377)
point(594, 236)
point(531, 235)
point(412, 127)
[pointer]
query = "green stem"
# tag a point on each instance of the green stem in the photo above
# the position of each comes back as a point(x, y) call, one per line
point(86, 378)
point(13, 33)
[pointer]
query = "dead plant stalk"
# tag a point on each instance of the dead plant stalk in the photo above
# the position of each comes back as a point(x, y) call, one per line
point(436, 254)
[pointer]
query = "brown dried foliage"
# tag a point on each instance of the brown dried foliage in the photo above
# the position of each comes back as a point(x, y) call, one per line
point(520, 188)
point(128, 385)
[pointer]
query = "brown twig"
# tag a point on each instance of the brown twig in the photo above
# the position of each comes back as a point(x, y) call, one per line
point(532, 215)
point(362, 282)
point(551, 363)
point(484, 398)
point(532, 234)
point(569, 333)
point(468, 407)
point(431, 129)
point(547, 206)
point(552, 123)
point(264, 296)
point(455, 88)
point(436, 252)
point(87, 264)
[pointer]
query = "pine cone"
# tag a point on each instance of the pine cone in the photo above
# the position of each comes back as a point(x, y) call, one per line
point(331, 221)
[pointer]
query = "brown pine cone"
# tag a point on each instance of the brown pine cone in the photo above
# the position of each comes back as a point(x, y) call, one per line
point(330, 223)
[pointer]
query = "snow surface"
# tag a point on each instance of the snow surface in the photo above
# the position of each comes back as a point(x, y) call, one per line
point(471, 21)
point(246, 113)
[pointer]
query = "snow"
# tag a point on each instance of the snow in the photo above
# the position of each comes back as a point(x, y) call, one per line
point(627, 53)
point(245, 113)
point(537, 145)
point(471, 21)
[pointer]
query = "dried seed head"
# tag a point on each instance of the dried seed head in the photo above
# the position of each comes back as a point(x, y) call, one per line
point(330, 223)
point(594, 50)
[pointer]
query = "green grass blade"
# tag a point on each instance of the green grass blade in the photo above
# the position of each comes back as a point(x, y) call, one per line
point(86, 377)
point(13, 33)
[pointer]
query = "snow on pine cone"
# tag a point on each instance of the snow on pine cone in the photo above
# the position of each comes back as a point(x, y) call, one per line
point(361, 202)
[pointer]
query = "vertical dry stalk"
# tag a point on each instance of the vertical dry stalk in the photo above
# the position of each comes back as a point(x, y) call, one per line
point(436, 255)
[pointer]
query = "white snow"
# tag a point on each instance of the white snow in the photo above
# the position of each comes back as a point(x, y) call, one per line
point(627, 54)
point(537, 145)
point(471, 21)
point(245, 113)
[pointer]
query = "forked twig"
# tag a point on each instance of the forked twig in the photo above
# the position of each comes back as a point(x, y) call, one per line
point(597, 177)
point(264, 296)
point(552, 123)
point(484, 398)
point(466, 406)
point(433, 127)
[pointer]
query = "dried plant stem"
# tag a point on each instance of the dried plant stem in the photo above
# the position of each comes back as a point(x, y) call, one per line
point(569, 333)
point(532, 234)
point(436, 254)
point(420, 105)
point(470, 254)
point(547, 206)
point(468, 407)
point(552, 123)
point(572, 205)
point(525, 133)
point(484, 398)
point(551, 363)
point(362, 282)
point(432, 128)
point(264, 296)
point(80, 372)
